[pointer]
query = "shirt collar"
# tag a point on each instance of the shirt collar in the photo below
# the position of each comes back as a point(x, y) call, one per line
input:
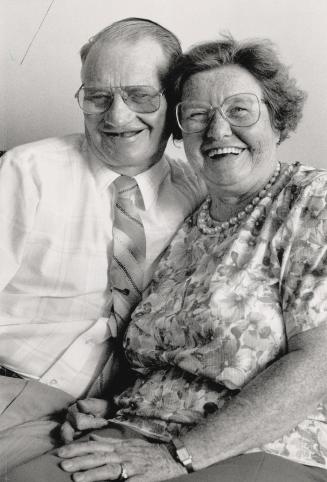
point(148, 181)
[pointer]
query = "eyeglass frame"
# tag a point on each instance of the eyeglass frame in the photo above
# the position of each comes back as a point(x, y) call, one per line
point(159, 93)
point(213, 108)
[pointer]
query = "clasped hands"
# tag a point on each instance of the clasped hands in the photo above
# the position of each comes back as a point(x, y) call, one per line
point(104, 458)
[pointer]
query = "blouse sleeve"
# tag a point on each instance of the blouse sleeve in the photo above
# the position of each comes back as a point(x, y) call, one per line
point(303, 254)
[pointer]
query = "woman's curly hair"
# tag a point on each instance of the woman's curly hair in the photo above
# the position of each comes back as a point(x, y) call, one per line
point(258, 56)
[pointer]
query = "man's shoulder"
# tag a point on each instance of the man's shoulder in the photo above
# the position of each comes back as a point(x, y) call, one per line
point(179, 167)
point(45, 149)
point(184, 178)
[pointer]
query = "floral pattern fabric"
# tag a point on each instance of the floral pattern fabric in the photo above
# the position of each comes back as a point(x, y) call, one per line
point(217, 313)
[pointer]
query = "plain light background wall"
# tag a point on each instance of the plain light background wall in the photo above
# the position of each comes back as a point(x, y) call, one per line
point(38, 80)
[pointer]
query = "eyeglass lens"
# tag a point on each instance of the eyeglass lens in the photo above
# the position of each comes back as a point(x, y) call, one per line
point(240, 110)
point(142, 99)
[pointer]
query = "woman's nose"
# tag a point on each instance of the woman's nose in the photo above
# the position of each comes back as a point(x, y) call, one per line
point(118, 114)
point(218, 126)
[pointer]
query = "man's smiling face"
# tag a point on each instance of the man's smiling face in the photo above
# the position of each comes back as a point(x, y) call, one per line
point(126, 141)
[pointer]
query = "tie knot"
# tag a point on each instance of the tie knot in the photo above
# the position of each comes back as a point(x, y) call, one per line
point(125, 186)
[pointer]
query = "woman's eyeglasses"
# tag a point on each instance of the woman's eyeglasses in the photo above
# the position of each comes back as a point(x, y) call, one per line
point(240, 110)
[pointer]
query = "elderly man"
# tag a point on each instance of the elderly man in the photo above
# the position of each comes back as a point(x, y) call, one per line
point(83, 221)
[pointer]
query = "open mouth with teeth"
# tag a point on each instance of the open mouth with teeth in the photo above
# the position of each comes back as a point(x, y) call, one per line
point(219, 153)
point(125, 134)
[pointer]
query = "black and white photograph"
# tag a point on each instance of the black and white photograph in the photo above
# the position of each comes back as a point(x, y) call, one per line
point(163, 241)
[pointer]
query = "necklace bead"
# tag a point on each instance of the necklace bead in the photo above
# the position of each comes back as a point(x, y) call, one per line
point(208, 225)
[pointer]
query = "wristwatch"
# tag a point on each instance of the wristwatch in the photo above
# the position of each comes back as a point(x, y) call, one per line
point(180, 453)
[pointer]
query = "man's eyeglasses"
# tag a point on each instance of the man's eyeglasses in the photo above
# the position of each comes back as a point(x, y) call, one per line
point(240, 110)
point(143, 99)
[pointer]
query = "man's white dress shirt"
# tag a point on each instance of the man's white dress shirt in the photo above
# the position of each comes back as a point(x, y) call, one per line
point(56, 214)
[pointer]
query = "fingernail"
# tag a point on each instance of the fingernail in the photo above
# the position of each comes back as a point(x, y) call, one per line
point(61, 452)
point(66, 464)
point(79, 477)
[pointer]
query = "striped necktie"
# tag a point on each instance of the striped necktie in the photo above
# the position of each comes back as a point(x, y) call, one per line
point(128, 250)
point(125, 274)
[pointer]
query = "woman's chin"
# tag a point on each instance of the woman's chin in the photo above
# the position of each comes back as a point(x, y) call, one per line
point(227, 169)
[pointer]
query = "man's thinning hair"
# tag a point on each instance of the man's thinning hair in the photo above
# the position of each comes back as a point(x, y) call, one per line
point(132, 29)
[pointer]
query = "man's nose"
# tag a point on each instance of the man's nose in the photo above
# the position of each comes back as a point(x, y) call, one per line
point(119, 113)
point(218, 126)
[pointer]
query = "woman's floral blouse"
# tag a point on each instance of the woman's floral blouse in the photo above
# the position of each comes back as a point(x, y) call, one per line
point(218, 313)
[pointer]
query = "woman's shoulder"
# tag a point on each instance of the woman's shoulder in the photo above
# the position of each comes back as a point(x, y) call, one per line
point(305, 182)
point(307, 176)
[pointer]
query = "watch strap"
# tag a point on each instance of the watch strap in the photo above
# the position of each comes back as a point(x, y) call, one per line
point(180, 453)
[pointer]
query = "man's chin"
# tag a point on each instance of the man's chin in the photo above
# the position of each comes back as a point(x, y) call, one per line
point(128, 161)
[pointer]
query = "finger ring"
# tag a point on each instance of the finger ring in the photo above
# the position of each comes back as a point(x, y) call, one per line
point(123, 472)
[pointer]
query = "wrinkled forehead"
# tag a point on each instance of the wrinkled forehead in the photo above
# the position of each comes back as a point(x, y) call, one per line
point(112, 63)
point(219, 83)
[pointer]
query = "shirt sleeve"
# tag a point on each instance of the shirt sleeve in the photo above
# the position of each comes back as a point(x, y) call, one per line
point(189, 182)
point(18, 204)
point(304, 259)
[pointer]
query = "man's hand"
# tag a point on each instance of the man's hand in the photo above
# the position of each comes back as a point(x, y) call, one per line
point(84, 415)
point(102, 459)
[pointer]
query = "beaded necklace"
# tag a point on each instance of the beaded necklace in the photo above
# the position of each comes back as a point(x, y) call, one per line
point(208, 225)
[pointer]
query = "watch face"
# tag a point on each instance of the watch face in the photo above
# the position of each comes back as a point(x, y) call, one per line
point(184, 457)
point(183, 454)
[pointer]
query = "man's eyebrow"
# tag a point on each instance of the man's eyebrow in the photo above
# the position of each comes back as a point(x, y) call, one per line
point(98, 89)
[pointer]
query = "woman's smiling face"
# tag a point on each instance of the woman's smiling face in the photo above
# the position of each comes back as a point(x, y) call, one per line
point(236, 160)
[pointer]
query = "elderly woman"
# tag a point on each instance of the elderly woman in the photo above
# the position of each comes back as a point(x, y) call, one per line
point(229, 345)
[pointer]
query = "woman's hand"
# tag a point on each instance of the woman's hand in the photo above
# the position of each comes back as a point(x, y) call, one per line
point(100, 459)
point(84, 415)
